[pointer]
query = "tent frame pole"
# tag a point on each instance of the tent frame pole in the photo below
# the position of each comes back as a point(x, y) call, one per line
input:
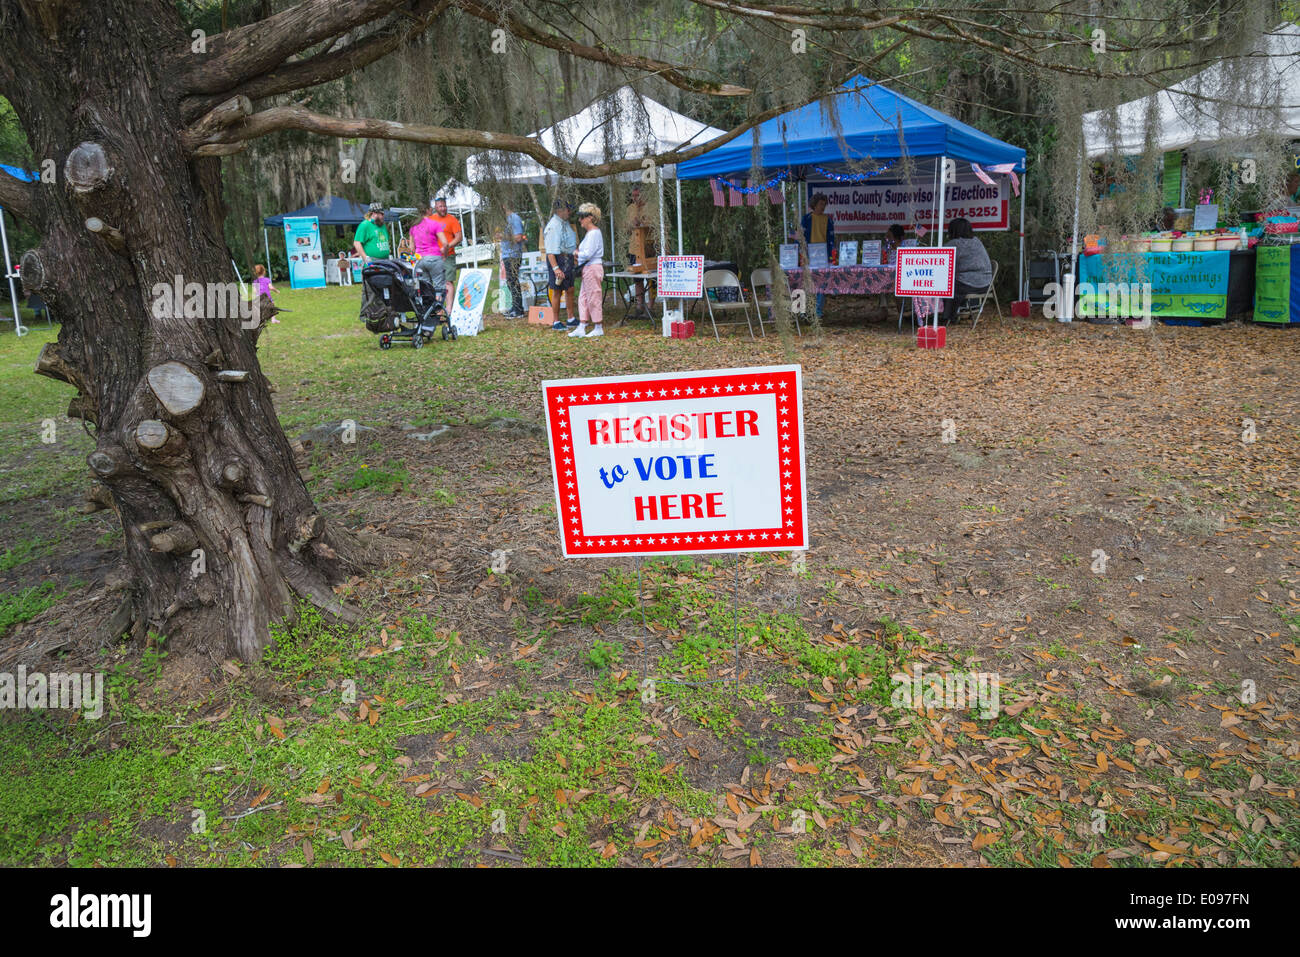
point(9, 275)
point(663, 245)
point(1066, 312)
point(266, 246)
point(943, 195)
point(1021, 292)
point(785, 222)
point(613, 241)
point(678, 184)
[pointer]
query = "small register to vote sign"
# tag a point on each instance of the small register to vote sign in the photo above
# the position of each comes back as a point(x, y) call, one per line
point(925, 271)
point(679, 277)
point(679, 463)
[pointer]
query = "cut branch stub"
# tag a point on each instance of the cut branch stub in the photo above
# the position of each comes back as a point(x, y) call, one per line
point(109, 234)
point(178, 389)
point(51, 364)
point(232, 474)
point(87, 168)
point(177, 538)
point(32, 271)
point(154, 436)
point(110, 461)
point(232, 375)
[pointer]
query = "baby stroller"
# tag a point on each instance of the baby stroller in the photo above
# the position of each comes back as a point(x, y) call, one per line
point(390, 293)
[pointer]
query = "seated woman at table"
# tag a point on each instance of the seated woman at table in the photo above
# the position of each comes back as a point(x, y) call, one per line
point(974, 270)
point(819, 228)
point(894, 241)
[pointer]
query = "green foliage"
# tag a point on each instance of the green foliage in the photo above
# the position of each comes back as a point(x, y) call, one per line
point(25, 605)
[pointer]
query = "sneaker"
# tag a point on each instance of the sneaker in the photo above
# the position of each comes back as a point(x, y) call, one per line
point(558, 325)
point(572, 323)
point(577, 333)
point(596, 330)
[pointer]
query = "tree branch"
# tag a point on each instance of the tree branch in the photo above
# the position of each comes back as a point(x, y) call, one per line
point(660, 68)
point(247, 52)
point(300, 118)
point(331, 64)
point(21, 199)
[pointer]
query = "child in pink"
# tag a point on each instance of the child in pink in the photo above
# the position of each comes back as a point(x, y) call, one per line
point(262, 284)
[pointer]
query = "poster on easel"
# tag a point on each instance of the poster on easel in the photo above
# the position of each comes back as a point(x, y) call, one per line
point(302, 249)
point(470, 299)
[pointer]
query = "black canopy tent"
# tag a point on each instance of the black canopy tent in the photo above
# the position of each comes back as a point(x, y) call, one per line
point(335, 211)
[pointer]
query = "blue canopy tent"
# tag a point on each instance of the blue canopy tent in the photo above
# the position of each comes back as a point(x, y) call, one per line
point(871, 123)
point(336, 211)
point(25, 176)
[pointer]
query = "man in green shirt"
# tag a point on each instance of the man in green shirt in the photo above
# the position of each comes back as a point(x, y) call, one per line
point(371, 239)
point(371, 242)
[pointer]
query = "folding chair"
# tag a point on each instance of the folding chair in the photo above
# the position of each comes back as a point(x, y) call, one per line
point(974, 303)
point(762, 279)
point(726, 279)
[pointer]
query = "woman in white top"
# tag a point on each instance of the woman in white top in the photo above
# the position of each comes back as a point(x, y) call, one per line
point(590, 266)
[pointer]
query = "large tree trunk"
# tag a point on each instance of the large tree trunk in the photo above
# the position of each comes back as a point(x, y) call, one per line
point(190, 459)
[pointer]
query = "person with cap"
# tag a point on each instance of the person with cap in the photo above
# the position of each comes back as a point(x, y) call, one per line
point(561, 243)
point(371, 238)
point(371, 242)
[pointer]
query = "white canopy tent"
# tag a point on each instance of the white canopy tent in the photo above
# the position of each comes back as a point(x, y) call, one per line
point(623, 125)
point(1237, 99)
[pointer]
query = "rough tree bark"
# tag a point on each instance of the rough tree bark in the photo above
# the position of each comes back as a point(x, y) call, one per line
point(188, 458)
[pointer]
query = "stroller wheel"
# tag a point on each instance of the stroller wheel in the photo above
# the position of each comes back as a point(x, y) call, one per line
point(385, 342)
point(417, 340)
point(444, 333)
point(453, 331)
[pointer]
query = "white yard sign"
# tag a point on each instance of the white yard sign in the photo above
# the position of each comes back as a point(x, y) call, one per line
point(679, 462)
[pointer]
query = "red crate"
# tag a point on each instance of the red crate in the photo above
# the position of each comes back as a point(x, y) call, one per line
point(930, 337)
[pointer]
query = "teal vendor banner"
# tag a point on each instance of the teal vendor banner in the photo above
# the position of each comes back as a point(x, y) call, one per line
point(1184, 285)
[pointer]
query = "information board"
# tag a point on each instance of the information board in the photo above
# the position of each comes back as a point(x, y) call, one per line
point(302, 247)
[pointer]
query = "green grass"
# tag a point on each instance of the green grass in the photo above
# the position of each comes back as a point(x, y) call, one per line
point(25, 551)
point(25, 605)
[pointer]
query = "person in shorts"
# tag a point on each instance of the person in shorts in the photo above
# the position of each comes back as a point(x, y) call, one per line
point(561, 244)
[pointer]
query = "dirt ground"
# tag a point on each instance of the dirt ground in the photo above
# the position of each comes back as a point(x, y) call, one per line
point(1104, 517)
